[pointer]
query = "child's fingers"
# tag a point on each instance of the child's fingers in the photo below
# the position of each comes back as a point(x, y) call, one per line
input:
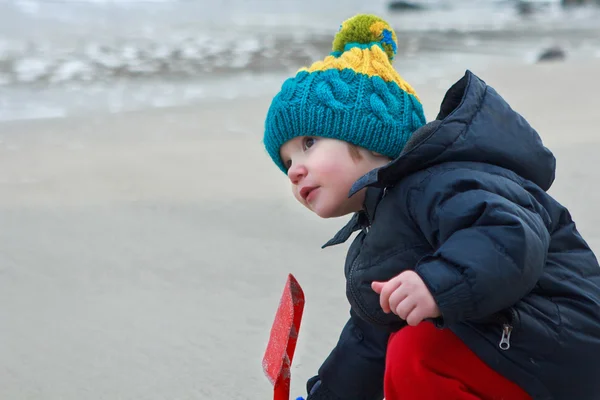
point(388, 288)
point(377, 286)
point(405, 308)
point(397, 297)
point(415, 316)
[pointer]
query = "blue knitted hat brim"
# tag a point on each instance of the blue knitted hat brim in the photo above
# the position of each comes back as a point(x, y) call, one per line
point(345, 105)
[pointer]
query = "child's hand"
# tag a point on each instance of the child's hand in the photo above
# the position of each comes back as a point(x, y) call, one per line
point(407, 296)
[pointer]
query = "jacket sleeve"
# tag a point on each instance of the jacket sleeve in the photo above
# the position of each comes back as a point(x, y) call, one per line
point(490, 241)
point(354, 369)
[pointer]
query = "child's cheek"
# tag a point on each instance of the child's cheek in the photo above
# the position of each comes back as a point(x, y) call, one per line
point(333, 170)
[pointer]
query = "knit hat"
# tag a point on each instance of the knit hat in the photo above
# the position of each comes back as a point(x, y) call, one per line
point(354, 95)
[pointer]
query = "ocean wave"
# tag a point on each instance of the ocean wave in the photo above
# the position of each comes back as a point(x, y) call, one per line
point(168, 49)
point(29, 63)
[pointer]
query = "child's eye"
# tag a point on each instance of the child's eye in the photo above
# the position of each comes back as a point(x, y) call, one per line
point(309, 142)
point(287, 164)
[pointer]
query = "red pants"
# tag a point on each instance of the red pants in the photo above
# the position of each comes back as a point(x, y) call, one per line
point(427, 363)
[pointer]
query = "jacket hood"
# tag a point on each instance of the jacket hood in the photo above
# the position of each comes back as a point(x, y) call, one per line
point(475, 124)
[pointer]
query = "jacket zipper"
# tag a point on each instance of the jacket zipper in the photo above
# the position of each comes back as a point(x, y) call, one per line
point(369, 222)
point(355, 297)
point(505, 339)
point(368, 227)
point(507, 329)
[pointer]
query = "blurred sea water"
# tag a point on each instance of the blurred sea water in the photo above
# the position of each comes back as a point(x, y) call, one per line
point(67, 57)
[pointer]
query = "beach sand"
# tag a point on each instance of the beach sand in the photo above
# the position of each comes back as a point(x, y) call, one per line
point(142, 255)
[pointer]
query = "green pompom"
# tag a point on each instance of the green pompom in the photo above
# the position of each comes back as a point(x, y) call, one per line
point(364, 29)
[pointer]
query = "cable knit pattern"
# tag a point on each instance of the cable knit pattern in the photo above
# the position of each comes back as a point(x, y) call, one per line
point(354, 95)
point(371, 61)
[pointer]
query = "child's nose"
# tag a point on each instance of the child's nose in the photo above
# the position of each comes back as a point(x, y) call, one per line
point(296, 173)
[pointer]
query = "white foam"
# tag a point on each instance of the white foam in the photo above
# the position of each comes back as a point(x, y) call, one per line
point(31, 69)
point(103, 56)
point(72, 70)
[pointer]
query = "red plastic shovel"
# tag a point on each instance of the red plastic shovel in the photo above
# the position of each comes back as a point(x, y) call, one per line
point(277, 360)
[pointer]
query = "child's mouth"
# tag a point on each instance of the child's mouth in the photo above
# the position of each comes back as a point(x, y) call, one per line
point(311, 195)
point(307, 192)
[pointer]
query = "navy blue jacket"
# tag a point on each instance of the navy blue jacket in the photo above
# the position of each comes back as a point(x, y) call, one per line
point(466, 207)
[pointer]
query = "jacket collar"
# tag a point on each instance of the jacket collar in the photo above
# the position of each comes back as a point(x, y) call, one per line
point(360, 220)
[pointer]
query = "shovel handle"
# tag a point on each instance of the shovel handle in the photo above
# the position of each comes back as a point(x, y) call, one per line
point(281, 391)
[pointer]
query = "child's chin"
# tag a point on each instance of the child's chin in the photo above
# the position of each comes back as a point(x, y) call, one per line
point(329, 213)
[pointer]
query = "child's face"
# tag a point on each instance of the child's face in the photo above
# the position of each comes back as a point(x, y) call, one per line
point(322, 171)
